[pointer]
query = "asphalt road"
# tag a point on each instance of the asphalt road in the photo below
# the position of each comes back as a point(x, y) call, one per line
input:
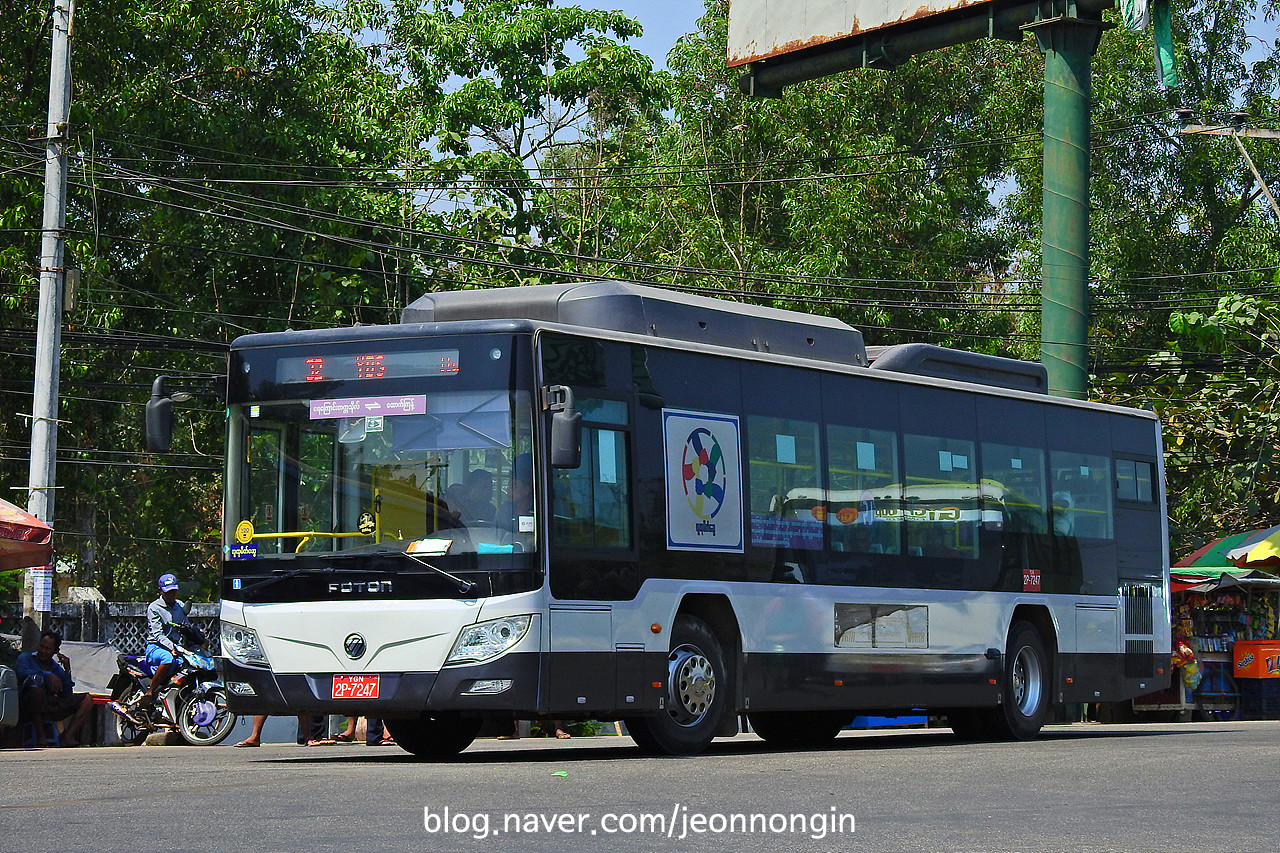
point(1137, 788)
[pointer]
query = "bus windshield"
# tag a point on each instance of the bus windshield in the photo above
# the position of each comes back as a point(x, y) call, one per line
point(437, 473)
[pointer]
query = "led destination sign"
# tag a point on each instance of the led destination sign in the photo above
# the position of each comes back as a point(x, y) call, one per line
point(374, 365)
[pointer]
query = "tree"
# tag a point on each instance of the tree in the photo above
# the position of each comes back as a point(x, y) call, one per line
point(500, 84)
point(865, 194)
point(207, 141)
point(1221, 415)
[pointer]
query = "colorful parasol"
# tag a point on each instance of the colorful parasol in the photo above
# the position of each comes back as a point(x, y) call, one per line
point(25, 540)
point(1260, 548)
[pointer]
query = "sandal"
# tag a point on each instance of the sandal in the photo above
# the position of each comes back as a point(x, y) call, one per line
point(246, 742)
point(345, 738)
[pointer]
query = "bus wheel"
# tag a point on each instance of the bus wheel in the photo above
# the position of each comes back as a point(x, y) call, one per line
point(1026, 686)
point(434, 735)
point(698, 691)
point(787, 729)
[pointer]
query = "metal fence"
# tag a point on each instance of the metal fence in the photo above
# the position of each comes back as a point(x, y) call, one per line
point(121, 623)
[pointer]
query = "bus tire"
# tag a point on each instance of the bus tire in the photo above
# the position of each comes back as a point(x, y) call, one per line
point(1026, 686)
point(438, 735)
point(798, 729)
point(699, 691)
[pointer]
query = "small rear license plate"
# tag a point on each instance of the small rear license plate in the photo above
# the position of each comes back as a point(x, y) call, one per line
point(355, 687)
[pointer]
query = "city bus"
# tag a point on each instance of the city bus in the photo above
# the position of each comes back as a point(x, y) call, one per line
point(609, 501)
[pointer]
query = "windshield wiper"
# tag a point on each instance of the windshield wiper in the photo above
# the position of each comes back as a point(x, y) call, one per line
point(463, 585)
point(375, 551)
point(325, 570)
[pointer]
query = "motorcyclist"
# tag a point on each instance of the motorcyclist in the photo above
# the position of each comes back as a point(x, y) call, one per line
point(164, 616)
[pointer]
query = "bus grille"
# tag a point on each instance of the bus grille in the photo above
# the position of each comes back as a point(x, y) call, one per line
point(1139, 658)
point(1138, 616)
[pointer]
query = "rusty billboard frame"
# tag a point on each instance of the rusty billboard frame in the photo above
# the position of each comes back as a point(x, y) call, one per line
point(886, 45)
point(766, 29)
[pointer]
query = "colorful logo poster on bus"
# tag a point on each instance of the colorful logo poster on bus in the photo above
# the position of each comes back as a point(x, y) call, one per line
point(704, 481)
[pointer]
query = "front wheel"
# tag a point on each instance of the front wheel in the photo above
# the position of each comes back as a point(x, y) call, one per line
point(434, 735)
point(204, 719)
point(698, 694)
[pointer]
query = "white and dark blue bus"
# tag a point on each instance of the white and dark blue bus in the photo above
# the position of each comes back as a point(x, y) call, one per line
point(609, 501)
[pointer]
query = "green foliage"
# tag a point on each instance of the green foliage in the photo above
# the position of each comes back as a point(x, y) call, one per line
point(1221, 418)
point(172, 99)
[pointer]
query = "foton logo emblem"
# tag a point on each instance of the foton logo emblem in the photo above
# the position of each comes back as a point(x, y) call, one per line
point(360, 588)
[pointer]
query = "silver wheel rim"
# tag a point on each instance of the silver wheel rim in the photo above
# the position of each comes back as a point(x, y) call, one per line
point(126, 731)
point(691, 685)
point(1028, 681)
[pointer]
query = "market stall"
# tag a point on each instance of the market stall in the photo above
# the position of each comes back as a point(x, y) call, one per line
point(1226, 650)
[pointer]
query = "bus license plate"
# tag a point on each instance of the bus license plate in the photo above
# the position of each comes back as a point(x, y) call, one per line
point(355, 687)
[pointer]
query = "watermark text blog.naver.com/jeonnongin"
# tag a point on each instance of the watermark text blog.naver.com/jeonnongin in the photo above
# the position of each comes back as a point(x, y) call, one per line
point(677, 823)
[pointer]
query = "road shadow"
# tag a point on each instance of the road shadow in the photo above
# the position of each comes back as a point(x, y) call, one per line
point(621, 748)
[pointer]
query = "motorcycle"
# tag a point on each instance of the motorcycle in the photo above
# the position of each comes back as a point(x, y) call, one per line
point(194, 702)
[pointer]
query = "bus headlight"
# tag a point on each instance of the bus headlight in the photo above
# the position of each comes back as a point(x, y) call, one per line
point(486, 640)
point(241, 645)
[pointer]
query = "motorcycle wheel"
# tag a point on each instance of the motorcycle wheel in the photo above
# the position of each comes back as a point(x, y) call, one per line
point(126, 731)
point(203, 718)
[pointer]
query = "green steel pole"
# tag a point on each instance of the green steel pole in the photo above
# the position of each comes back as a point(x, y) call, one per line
point(1068, 43)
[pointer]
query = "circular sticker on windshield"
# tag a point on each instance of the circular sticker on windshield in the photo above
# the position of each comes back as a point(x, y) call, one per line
point(244, 532)
point(365, 523)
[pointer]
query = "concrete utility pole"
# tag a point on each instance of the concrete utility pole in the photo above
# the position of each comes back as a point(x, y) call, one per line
point(1235, 131)
point(44, 412)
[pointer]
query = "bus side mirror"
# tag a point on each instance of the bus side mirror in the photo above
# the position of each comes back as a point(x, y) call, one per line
point(159, 419)
point(160, 412)
point(159, 423)
point(566, 428)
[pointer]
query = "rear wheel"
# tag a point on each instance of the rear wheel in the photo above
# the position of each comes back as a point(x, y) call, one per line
point(434, 735)
point(1026, 686)
point(127, 732)
point(1025, 689)
point(698, 694)
point(788, 729)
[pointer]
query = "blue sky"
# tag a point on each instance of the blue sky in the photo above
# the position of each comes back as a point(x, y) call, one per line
point(664, 21)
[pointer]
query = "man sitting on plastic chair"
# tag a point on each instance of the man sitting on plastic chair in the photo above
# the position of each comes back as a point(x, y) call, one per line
point(46, 695)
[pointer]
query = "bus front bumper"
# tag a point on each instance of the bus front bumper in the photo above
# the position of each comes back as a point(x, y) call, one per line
point(508, 683)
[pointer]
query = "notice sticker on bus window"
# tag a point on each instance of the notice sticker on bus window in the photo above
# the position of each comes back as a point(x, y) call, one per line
point(1015, 464)
point(429, 547)
point(608, 444)
point(866, 456)
point(944, 460)
point(786, 449)
point(525, 524)
point(960, 463)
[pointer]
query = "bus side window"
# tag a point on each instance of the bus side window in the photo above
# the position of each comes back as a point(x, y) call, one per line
point(785, 489)
point(863, 508)
point(591, 504)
